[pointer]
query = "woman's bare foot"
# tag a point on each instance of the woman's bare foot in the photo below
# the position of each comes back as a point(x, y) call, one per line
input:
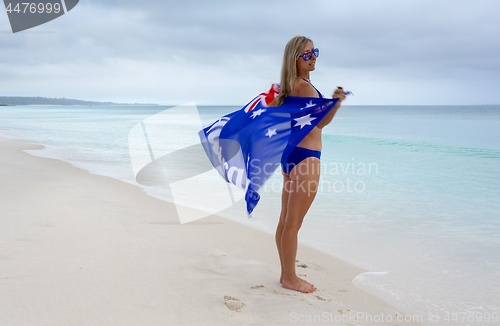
point(301, 279)
point(298, 285)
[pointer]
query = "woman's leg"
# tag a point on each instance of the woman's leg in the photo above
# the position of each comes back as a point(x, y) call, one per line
point(301, 190)
point(281, 224)
point(285, 193)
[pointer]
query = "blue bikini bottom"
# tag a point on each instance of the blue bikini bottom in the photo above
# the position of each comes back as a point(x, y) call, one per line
point(297, 155)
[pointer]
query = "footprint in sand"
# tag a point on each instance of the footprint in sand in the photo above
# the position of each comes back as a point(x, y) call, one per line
point(283, 293)
point(323, 299)
point(257, 286)
point(302, 265)
point(233, 303)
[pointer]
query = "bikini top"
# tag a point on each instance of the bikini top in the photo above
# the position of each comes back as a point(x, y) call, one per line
point(320, 95)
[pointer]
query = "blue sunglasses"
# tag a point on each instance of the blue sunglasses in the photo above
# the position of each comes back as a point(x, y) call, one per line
point(308, 54)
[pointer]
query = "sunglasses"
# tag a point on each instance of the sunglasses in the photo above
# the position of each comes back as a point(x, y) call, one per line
point(308, 54)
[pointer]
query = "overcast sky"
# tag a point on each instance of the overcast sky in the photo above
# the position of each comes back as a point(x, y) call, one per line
point(387, 52)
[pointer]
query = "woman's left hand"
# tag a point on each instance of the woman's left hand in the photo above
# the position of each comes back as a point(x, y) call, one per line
point(339, 93)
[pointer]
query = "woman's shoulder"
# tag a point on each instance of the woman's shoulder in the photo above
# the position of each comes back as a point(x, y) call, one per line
point(304, 89)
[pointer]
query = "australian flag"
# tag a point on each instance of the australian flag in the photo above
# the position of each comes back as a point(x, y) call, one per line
point(246, 146)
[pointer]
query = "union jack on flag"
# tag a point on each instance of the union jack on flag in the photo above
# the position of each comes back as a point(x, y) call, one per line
point(267, 98)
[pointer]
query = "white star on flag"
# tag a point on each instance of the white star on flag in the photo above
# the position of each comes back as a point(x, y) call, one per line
point(303, 121)
point(308, 105)
point(271, 132)
point(258, 112)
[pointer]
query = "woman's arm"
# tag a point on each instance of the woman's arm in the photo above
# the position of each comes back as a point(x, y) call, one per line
point(339, 93)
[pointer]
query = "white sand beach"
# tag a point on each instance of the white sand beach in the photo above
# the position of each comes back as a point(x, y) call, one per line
point(83, 249)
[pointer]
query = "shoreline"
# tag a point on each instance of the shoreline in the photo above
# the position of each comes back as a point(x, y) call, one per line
point(93, 248)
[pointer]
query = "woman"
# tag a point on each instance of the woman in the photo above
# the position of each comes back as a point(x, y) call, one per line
point(301, 168)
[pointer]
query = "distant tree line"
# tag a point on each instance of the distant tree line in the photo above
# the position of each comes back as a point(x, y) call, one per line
point(22, 100)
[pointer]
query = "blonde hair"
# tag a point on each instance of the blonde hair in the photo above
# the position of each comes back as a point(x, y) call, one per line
point(289, 67)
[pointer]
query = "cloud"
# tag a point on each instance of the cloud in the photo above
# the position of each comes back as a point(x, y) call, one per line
point(226, 52)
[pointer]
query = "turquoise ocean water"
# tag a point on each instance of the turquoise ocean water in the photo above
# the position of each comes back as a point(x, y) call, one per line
point(412, 194)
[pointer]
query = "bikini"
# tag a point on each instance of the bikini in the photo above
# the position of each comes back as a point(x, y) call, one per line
point(298, 154)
